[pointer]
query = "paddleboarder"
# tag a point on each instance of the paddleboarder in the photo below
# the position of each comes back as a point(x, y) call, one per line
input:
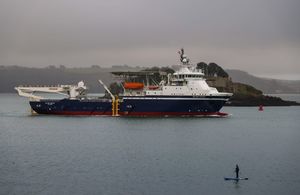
point(237, 170)
point(236, 178)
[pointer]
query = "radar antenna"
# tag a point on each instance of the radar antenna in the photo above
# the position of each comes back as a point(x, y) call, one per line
point(183, 58)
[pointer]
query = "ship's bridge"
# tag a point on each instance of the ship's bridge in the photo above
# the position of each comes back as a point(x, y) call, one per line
point(186, 74)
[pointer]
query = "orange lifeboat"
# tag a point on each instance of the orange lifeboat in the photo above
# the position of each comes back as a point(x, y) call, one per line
point(133, 85)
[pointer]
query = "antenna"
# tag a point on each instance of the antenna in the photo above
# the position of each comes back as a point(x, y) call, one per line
point(183, 58)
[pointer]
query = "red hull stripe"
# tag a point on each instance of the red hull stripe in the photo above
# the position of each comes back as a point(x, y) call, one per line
point(174, 114)
point(81, 113)
point(141, 113)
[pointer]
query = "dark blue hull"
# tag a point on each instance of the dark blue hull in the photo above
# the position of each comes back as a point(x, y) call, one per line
point(72, 107)
point(133, 106)
point(170, 106)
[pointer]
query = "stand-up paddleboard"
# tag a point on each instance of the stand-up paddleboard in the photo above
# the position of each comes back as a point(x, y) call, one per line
point(236, 179)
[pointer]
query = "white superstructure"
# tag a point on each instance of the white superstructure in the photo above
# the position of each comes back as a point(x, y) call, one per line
point(187, 81)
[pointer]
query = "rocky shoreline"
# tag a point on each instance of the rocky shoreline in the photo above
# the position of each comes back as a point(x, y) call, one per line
point(246, 95)
point(246, 100)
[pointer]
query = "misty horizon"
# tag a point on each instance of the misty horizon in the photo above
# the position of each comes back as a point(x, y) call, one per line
point(261, 38)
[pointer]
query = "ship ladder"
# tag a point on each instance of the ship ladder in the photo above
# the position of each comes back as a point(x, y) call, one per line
point(115, 106)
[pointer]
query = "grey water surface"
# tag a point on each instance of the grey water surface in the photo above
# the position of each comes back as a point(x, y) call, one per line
point(108, 155)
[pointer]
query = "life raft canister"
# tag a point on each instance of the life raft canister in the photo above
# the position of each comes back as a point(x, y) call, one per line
point(153, 87)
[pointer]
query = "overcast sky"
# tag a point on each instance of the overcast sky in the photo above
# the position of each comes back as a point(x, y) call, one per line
point(258, 36)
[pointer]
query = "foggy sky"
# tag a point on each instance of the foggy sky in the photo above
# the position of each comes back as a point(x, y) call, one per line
point(258, 36)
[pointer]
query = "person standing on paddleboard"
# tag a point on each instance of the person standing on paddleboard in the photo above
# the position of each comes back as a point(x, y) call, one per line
point(237, 170)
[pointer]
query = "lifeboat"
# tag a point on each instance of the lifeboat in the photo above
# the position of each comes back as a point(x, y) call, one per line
point(133, 85)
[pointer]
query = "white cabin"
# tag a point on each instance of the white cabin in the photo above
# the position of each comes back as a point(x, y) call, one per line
point(185, 82)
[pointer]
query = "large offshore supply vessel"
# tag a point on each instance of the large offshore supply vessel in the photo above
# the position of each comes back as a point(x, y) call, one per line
point(183, 93)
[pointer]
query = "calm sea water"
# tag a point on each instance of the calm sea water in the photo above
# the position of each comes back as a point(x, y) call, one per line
point(105, 155)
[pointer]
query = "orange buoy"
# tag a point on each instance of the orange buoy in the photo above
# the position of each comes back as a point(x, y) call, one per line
point(133, 85)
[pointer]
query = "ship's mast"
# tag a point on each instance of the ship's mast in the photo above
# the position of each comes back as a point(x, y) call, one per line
point(183, 58)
